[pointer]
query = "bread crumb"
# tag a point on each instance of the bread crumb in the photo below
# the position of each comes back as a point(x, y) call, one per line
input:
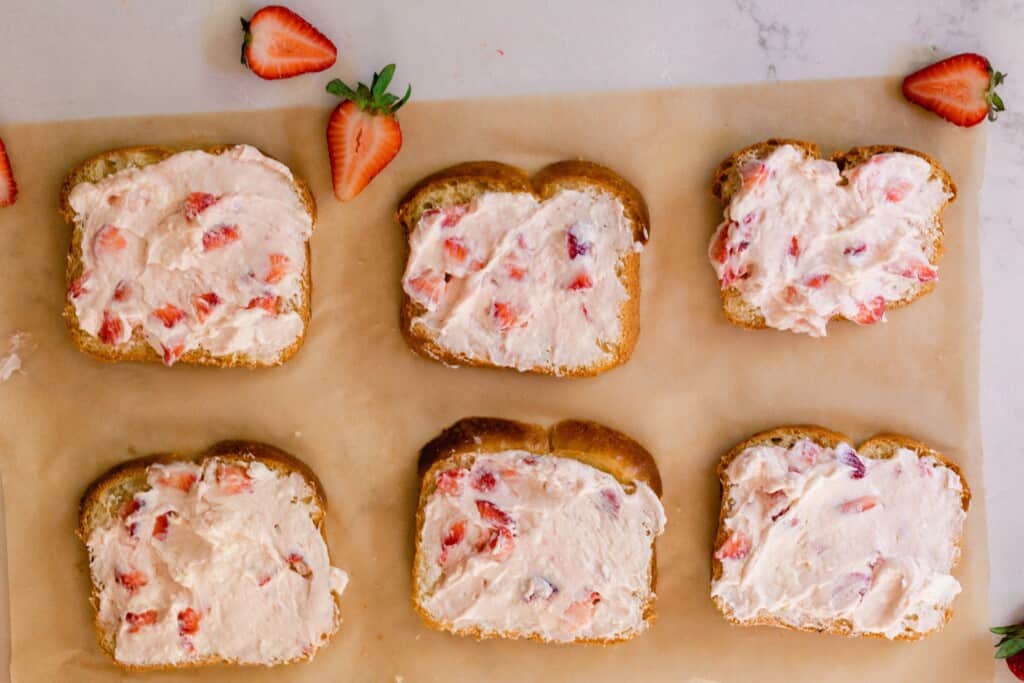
point(11, 362)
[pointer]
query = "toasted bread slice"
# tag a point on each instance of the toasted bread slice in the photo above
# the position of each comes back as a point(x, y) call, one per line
point(112, 507)
point(727, 181)
point(460, 186)
point(136, 348)
point(828, 455)
point(587, 475)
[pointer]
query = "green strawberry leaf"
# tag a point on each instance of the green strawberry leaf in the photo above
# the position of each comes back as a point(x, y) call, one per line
point(1000, 630)
point(1010, 647)
point(381, 82)
point(405, 98)
point(338, 87)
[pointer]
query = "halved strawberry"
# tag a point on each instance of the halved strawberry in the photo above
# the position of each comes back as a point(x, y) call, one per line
point(171, 354)
point(108, 240)
point(197, 202)
point(170, 315)
point(203, 304)
point(298, 565)
point(8, 188)
point(220, 237)
point(111, 329)
point(960, 89)
point(279, 43)
point(132, 580)
point(279, 264)
point(862, 504)
point(232, 479)
point(267, 302)
point(137, 620)
point(735, 547)
point(363, 135)
point(177, 479)
point(188, 622)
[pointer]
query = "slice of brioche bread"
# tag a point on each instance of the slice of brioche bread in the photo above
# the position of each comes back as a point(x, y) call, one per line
point(104, 504)
point(97, 168)
point(726, 181)
point(462, 183)
point(459, 447)
point(878, 447)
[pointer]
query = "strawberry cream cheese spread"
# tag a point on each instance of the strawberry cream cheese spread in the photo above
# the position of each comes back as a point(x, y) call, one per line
point(541, 546)
point(803, 243)
point(220, 560)
point(520, 282)
point(818, 535)
point(199, 251)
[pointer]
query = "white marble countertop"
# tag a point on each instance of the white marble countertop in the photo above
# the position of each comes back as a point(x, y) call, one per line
point(182, 55)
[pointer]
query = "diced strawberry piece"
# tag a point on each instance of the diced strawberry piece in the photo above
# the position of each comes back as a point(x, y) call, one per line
point(111, 329)
point(177, 479)
point(922, 271)
point(505, 316)
point(136, 620)
point(500, 543)
point(581, 612)
point(577, 246)
point(452, 538)
point(516, 273)
point(735, 547)
point(8, 188)
point(582, 281)
point(455, 249)
point(203, 304)
point(298, 565)
point(279, 264)
point(862, 504)
point(267, 303)
point(483, 480)
point(720, 249)
point(77, 287)
point(170, 315)
point(171, 354)
point(162, 523)
point(855, 249)
point(123, 291)
point(264, 580)
point(429, 285)
point(131, 580)
point(870, 312)
point(220, 237)
point(130, 507)
point(493, 514)
point(753, 174)
point(791, 294)
point(449, 482)
point(794, 246)
point(108, 240)
point(611, 502)
point(897, 190)
point(232, 479)
point(188, 622)
point(451, 215)
point(802, 457)
point(816, 281)
point(849, 457)
point(197, 202)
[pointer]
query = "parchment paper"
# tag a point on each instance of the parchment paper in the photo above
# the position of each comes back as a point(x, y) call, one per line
point(356, 404)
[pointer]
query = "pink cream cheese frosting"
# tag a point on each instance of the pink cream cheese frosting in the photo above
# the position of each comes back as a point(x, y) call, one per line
point(804, 242)
point(522, 283)
point(818, 535)
point(219, 560)
point(541, 546)
point(198, 251)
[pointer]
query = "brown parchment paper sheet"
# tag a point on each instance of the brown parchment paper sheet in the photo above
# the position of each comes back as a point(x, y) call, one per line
point(356, 404)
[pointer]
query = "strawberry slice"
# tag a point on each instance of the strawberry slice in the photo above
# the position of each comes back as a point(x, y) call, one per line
point(188, 622)
point(197, 202)
point(162, 523)
point(430, 286)
point(363, 135)
point(111, 329)
point(449, 482)
point(8, 188)
point(862, 504)
point(735, 547)
point(581, 281)
point(171, 354)
point(279, 43)
point(456, 532)
point(220, 237)
point(203, 305)
point(279, 264)
point(493, 514)
point(267, 302)
point(505, 316)
point(170, 315)
point(298, 565)
point(960, 89)
point(136, 620)
point(131, 580)
point(871, 312)
point(177, 479)
point(108, 241)
point(232, 479)
point(77, 287)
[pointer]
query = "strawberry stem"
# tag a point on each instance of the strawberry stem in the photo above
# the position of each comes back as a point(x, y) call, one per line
point(372, 98)
point(246, 40)
point(995, 102)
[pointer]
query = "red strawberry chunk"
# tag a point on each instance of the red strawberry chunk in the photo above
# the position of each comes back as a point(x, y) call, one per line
point(8, 188)
point(862, 504)
point(136, 620)
point(77, 287)
point(197, 202)
point(735, 547)
point(130, 507)
point(449, 482)
point(753, 175)
point(188, 622)
point(577, 246)
point(132, 580)
point(720, 249)
point(791, 294)
point(123, 291)
point(516, 273)
point(794, 246)
point(267, 303)
point(505, 315)
point(203, 304)
point(452, 538)
point(499, 543)
point(220, 237)
point(816, 281)
point(855, 249)
point(108, 240)
point(897, 190)
point(483, 480)
point(232, 479)
point(429, 285)
point(298, 565)
point(170, 315)
point(870, 312)
point(177, 479)
point(171, 354)
point(279, 264)
point(111, 329)
point(162, 523)
point(451, 215)
point(456, 249)
point(920, 270)
point(492, 513)
point(582, 281)
point(848, 457)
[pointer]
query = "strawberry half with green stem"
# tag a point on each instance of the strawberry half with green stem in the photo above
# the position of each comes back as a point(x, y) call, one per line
point(279, 43)
point(1011, 648)
point(960, 89)
point(363, 135)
